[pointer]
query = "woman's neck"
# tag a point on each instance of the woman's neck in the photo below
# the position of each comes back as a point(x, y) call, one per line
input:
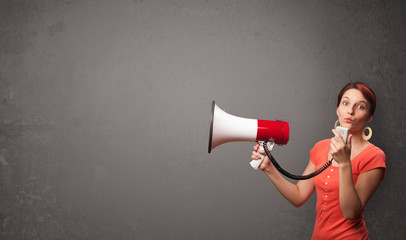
point(357, 140)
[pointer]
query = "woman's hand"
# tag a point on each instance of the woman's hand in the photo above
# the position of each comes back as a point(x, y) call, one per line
point(298, 193)
point(266, 163)
point(340, 151)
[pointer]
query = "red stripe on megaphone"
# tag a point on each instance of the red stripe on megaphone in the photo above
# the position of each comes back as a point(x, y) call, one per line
point(276, 130)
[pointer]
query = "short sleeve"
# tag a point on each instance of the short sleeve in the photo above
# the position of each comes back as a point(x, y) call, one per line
point(319, 151)
point(376, 159)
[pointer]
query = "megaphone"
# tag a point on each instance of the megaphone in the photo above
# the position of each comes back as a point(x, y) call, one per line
point(226, 128)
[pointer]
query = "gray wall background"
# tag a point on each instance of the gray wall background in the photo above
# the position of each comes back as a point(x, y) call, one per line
point(105, 113)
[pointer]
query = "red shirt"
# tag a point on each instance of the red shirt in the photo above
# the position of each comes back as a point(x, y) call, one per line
point(330, 222)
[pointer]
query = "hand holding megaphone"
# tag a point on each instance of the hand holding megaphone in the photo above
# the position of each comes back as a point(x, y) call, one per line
point(257, 156)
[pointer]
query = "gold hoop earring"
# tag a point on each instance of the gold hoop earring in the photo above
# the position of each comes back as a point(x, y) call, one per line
point(367, 137)
point(335, 125)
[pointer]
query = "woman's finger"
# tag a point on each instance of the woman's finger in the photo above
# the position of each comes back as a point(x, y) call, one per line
point(254, 153)
point(337, 143)
point(334, 142)
point(337, 136)
point(333, 148)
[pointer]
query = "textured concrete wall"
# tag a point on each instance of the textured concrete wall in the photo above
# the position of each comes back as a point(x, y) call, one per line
point(105, 110)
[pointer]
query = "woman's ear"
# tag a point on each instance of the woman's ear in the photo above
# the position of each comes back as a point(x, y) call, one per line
point(369, 119)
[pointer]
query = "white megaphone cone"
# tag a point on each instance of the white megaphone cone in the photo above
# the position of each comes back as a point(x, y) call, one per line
point(225, 128)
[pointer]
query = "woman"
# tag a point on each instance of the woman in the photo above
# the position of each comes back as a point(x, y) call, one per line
point(344, 188)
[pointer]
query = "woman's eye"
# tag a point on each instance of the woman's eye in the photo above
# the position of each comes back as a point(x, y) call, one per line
point(345, 103)
point(361, 107)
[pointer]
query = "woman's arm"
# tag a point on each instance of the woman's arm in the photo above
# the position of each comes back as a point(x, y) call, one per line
point(297, 194)
point(353, 198)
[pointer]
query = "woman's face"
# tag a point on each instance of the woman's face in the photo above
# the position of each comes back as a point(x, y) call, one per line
point(353, 110)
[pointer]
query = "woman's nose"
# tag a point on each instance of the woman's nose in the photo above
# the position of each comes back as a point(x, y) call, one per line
point(351, 110)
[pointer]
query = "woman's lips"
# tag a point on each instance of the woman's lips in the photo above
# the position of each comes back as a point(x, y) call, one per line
point(348, 120)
